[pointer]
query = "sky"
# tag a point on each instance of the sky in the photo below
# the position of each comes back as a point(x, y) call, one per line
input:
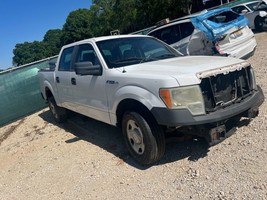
point(28, 20)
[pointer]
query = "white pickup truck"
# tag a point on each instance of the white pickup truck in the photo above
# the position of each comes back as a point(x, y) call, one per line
point(148, 89)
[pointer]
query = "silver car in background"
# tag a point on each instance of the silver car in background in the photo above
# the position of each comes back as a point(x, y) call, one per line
point(255, 11)
point(215, 32)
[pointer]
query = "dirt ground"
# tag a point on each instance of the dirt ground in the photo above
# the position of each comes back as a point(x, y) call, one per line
point(86, 159)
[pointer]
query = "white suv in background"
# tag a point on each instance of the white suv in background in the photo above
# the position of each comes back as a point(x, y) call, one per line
point(216, 32)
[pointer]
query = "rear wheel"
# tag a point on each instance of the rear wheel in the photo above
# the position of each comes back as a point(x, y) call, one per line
point(143, 137)
point(59, 113)
point(258, 23)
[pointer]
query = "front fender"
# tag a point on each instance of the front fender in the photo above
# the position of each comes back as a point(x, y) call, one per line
point(142, 95)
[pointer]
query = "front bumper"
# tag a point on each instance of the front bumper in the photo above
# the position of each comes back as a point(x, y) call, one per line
point(182, 117)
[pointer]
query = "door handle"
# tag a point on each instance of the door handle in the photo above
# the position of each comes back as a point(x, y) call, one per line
point(73, 81)
point(57, 79)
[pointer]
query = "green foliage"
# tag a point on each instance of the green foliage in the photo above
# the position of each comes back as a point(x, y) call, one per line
point(150, 12)
point(103, 16)
point(52, 42)
point(125, 16)
point(77, 26)
point(28, 52)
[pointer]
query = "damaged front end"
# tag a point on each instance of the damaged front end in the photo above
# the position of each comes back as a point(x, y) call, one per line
point(228, 90)
point(227, 86)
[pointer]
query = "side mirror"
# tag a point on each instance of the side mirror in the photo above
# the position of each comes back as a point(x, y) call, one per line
point(52, 65)
point(87, 68)
point(244, 11)
point(263, 14)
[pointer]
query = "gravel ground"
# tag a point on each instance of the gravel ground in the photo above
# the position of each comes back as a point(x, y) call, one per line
point(86, 159)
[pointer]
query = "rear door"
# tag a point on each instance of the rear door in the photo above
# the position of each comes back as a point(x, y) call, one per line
point(186, 30)
point(62, 78)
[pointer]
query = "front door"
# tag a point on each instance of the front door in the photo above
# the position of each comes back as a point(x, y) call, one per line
point(89, 92)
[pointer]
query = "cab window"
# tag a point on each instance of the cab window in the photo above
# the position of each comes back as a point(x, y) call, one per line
point(86, 53)
point(65, 60)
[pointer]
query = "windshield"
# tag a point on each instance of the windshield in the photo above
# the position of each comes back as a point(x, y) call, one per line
point(121, 52)
point(262, 5)
point(252, 6)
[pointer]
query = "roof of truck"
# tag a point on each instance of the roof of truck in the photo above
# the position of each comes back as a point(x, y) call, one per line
point(102, 38)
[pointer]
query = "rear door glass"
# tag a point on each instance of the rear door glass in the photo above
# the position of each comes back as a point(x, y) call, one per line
point(169, 35)
point(224, 17)
point(174, 33)
point(186, 29)
point(65, 60)
point(239, 9)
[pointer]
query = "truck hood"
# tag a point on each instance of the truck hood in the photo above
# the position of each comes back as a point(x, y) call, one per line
point(187, 70)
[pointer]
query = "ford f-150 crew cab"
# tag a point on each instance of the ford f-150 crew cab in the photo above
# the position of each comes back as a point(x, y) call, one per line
point(148, 89)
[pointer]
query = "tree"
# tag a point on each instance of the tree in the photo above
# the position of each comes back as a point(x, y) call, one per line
point(102, 17)
point(125, 15)
point(77, 26)
point(108, 15)
point(52, 42)
point(149, 11)
point(28, 52)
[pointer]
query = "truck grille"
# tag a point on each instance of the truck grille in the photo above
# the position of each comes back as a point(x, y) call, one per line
point(224, 90)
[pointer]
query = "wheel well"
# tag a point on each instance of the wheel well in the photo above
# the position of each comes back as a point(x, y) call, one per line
point(128, 105)
point(48, 93)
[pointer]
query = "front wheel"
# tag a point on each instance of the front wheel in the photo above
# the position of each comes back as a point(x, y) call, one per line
point(59, 114)
point(143, 137)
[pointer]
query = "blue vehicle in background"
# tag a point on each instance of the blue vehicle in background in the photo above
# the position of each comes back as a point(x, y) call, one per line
point(216, 32)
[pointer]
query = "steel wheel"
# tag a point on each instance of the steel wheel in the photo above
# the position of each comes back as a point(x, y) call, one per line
point(144, 138)
point(135, 137)
point(59, 114)
point(53, 110)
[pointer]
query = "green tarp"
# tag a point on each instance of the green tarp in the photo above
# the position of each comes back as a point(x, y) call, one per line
point(19, 91)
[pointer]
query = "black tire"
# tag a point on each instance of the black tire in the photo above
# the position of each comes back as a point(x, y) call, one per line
point(258, 23)
point(144, 138)
point(59, 113)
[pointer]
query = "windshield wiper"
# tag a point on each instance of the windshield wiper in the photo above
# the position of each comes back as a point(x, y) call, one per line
point(166, 56)
point(129, 59)
point(148, 59)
